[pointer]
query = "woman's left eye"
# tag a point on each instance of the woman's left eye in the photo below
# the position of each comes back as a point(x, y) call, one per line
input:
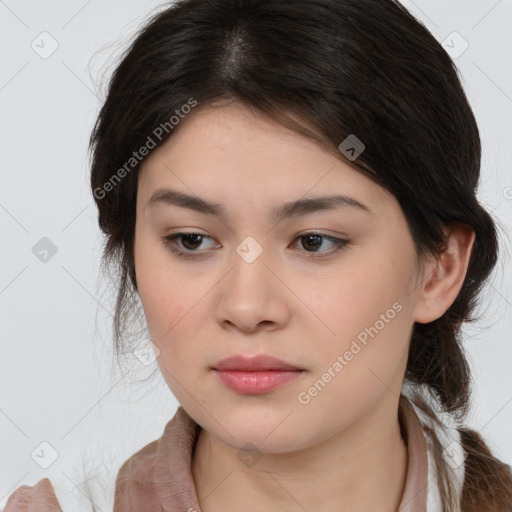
point(194, 239)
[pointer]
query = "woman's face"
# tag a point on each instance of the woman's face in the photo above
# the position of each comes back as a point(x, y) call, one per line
point(255, 284)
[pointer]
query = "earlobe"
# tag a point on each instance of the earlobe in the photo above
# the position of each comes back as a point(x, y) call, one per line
point(445, 274)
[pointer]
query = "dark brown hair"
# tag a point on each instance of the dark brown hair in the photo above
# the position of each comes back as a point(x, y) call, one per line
point(326, 69)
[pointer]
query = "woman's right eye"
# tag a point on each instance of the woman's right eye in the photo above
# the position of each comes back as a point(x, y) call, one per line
point(192, 239)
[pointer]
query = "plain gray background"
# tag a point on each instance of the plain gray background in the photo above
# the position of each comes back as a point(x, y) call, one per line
point(57, 386)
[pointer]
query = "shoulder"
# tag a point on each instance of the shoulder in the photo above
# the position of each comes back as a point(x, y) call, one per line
point(29, 497)
point(134, 482)
point(139, 465)
point(147, 474)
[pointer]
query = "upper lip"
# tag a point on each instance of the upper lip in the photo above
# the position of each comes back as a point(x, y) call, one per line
point(255, 363)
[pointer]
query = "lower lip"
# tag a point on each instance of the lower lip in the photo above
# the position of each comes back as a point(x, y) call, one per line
point(256, 383)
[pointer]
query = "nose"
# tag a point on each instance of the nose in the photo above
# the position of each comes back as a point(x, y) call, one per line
point(253, 296)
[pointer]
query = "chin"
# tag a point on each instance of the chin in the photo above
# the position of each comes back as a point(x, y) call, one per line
point(261, 436)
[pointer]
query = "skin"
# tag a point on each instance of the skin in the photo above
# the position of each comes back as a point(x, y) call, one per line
point(305, 311)
point(287, 304)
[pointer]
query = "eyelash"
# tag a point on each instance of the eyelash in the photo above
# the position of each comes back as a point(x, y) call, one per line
point(169, 243)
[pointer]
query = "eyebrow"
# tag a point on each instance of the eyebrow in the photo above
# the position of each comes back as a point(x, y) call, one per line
point(295, 208)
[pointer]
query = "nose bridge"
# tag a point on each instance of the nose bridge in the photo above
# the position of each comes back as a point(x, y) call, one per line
point(250, 294)
point(250, 263)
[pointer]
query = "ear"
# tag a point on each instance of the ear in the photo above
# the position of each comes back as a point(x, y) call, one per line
point(444, 275)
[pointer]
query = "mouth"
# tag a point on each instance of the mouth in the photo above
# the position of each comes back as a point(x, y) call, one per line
point(257, 363)
point(255, 375)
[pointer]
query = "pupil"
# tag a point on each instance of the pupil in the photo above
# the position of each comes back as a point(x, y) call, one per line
point(192, 235)
point(317, 237)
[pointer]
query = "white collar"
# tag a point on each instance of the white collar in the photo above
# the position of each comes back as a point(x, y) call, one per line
point(450, 439)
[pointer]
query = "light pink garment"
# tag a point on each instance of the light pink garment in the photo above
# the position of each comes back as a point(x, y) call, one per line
point(161, 478)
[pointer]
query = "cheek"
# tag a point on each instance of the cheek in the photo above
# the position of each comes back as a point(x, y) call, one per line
point(356, 298)
point(368, 308)
point(172, 303)
point(371, 318)
point(157, 286)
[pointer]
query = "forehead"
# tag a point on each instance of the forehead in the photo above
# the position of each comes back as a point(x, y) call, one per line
point(233, 154)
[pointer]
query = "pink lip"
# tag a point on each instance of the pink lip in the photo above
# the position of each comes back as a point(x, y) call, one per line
point(253, 364)
point(255, 375)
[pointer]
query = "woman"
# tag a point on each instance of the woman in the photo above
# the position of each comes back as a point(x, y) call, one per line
point(237, 140)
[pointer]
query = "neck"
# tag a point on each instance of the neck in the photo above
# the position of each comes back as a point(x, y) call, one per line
point(363, 468)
